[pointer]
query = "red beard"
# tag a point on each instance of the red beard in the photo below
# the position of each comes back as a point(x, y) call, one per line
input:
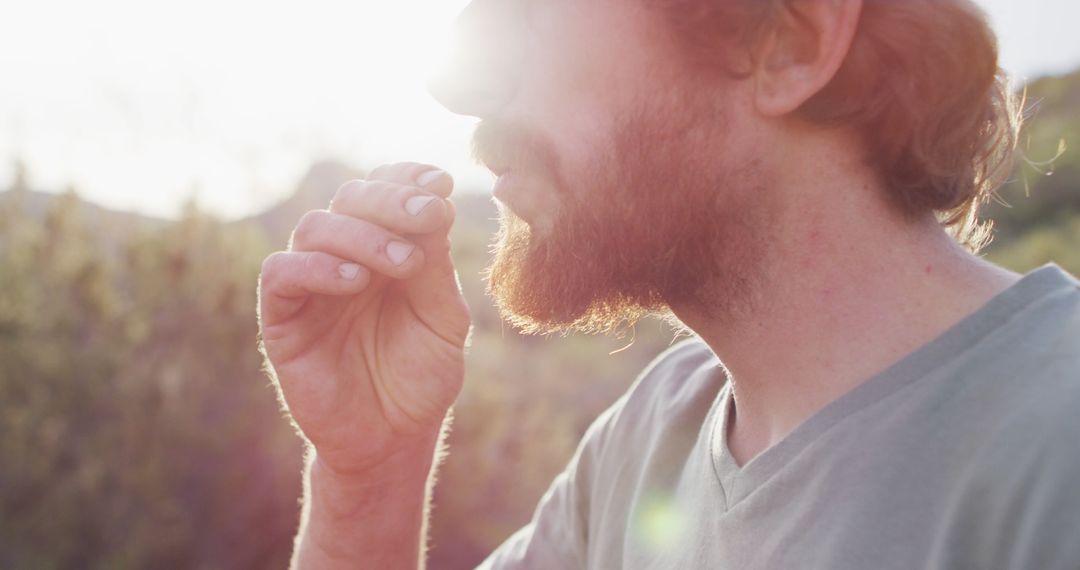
point(659, 221)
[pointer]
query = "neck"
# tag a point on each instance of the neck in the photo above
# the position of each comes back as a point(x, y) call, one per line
point(845, 288)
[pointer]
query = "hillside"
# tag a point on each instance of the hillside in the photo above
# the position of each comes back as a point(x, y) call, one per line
point(314, 191)
point(1044, 189)
point(134, 344)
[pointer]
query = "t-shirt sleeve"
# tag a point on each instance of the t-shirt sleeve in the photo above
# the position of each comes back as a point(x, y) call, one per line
point(1021, 508)
point(557, 536)
point(1046, 534)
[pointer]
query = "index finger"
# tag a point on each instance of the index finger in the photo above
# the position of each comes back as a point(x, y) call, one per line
point(430, 178)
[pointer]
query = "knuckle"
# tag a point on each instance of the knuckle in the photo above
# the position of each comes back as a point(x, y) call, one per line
point(397, 171)
point(270, 263)
point(361, 196)
point(272, 266)
point(345, 192)
point(415, 169)
point(377, 188)
point(408, 166)
point(380, 171)
point(309, 219)
point(310, 262)
point(309, 222)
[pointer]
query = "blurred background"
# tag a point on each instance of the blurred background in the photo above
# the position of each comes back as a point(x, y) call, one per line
point(152, 154)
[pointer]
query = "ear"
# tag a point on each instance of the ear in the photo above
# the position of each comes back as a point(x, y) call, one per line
point(800, 55)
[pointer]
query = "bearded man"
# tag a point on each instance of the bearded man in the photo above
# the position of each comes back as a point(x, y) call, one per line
point(796, 182)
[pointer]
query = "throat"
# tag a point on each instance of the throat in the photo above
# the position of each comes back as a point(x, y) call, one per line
point(748, 435)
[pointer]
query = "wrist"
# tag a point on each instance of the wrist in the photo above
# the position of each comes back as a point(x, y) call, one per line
point(347, 465)
point(347, 493)
point(367, 515)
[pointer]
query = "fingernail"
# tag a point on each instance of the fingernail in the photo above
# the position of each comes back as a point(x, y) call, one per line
point(429, 177)
point(416, 204)
point(398, 252)
point(348, 271)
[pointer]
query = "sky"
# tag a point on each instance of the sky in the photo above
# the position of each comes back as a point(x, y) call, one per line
point(141, 105)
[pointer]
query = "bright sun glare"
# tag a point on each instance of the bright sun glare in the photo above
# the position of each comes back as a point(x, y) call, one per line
point(140, 104)
point(136, 102)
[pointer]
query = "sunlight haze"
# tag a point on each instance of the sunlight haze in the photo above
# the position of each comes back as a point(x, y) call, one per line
point(140, 105)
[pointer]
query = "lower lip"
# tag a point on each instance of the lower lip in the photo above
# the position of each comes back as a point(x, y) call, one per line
point(510, 192)
point(526, 194)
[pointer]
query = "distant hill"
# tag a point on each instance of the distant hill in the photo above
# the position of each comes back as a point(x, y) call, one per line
point(314, 191)
point(35, 204)
point(1040, 193)
point(317, 188)
point(111, 228)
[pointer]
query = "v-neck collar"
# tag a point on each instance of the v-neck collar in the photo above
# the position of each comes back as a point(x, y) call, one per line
point(738, 482)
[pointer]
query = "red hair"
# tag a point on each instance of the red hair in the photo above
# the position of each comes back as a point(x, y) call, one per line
point(922, 84)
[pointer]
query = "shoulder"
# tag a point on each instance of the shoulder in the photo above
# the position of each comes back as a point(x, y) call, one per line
point(1030, 361)
point(1043, 359)
point(1056, 312)
point(1033, 376)
point(683, 374)
point(674, 392)
point(1043, 421)
point(1019, 492)
point(579, 509)
point(680, 359)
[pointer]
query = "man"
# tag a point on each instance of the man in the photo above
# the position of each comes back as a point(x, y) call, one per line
point(793, 180)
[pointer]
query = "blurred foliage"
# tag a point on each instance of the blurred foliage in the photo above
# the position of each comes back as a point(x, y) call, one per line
point(132, 433)
point(1038, 211)
point(137, 430)
point(1043, 189)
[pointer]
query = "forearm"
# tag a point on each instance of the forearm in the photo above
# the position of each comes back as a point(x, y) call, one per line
point(377, 520)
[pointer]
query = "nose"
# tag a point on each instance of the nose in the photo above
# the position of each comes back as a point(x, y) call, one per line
point(483, 71)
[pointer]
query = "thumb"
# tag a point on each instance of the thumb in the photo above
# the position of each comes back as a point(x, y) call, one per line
point(435, 292)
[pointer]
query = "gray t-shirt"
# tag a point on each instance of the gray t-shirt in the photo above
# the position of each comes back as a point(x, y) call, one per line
point(965, 454)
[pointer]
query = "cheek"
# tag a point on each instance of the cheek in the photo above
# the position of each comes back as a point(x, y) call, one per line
point(588, 64)
point(580, 146)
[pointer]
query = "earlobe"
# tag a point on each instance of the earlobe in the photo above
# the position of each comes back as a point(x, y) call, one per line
point(777, 79)
point(800, 55)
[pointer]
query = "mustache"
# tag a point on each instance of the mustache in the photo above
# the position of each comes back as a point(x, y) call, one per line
point(505, 146)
